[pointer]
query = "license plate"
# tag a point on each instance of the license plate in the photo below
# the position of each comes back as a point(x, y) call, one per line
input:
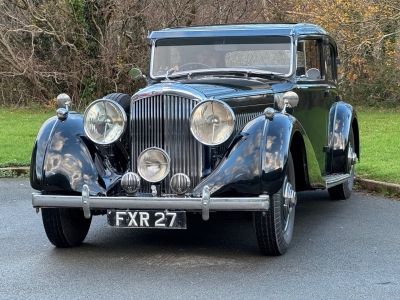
point(146, 219)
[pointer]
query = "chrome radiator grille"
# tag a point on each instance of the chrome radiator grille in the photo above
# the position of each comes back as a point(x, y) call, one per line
point(163, 121)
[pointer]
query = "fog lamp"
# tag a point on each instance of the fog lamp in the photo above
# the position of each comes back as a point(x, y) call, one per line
point(180, 183)
point(130, 182)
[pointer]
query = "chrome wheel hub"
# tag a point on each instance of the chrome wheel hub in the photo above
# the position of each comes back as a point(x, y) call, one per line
point(351, 161)
point(289, 202)
point(351, 157)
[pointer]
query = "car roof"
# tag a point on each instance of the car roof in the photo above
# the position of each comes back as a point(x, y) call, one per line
point(238, 30)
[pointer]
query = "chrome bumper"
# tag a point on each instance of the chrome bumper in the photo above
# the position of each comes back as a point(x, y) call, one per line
point(203, 204)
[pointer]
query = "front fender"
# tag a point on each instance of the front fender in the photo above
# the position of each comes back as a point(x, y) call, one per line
point(61, 160)
point(255, 162)
point(239, 172)
point(342, 117)
point(277, 137)
point(281, 135)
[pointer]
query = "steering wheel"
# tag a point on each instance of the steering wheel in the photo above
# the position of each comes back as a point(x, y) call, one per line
point(193, 66)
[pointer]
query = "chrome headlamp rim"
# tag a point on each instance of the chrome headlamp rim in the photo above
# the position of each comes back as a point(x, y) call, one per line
point(226, 106)
point(165, 155)
point(121, 110)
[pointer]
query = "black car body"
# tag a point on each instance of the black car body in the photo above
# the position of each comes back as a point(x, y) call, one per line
point(234, 118)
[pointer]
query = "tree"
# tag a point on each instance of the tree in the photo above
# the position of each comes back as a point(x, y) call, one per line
point(87, 47)
point(367, 34)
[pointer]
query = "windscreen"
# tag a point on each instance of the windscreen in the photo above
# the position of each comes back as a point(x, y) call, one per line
point(261, 53)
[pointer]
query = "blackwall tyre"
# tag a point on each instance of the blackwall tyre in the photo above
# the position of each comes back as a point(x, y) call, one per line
point(65, 227)
point(274, 228)
point(122, 99)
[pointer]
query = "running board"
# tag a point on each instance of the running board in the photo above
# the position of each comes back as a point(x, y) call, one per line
point(335, 179)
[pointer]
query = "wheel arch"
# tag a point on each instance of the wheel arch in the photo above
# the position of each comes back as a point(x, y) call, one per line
point(40, 146)
point(63, 159)
point(255, 162)
point(307, 171)
point(238, 172)
point(356, 133)
point(297, 149)
point(342, 118)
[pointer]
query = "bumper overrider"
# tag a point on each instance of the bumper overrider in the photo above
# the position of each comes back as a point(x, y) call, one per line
point(205, 204)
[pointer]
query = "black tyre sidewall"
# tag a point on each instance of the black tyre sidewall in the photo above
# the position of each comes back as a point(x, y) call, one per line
point(65, 227)
point(122, 99)
point(271, 237)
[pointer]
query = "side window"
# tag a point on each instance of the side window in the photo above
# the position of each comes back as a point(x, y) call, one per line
point(309, 59)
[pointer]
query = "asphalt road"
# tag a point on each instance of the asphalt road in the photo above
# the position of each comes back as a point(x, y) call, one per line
point(340, 250)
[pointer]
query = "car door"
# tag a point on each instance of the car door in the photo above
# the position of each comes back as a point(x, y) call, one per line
point(317, 93)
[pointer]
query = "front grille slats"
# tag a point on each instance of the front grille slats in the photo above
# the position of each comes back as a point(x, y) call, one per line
point(241, 121)
point(163, 121)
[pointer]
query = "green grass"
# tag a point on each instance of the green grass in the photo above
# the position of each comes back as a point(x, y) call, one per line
point(380, 141)
point(380, 144)
point(18, 130)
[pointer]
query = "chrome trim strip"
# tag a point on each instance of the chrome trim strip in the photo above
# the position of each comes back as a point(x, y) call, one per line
point(96, 202)
point(88, 203)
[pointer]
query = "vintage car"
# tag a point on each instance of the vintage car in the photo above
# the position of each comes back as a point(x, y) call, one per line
point(234, 118)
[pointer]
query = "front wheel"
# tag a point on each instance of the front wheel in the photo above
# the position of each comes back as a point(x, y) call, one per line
point(65, 227)
point(274, 228)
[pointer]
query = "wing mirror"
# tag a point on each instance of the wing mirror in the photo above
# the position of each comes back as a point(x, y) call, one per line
point(290, 100)
point(135, 73)
point(287, 100)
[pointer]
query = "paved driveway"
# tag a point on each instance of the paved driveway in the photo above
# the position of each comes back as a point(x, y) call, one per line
point(340, 250)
